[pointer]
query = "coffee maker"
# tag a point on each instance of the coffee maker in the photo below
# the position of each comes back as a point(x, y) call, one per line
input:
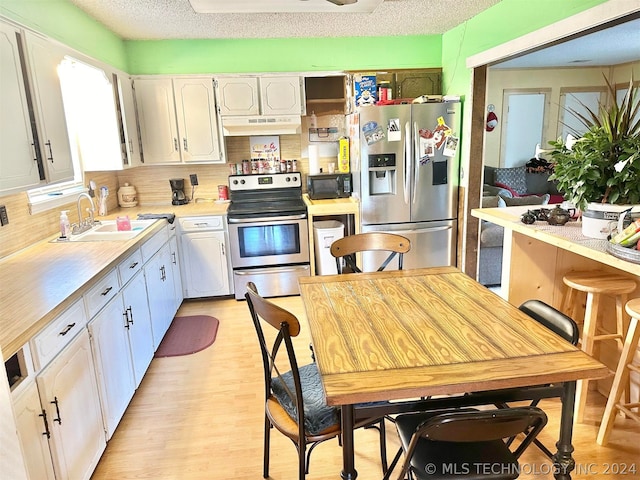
point(177, 191)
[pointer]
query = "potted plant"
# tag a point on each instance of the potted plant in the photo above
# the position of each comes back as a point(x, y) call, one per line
point(603, 166)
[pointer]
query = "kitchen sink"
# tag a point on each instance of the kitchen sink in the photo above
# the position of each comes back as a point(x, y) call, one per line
point(107, 231)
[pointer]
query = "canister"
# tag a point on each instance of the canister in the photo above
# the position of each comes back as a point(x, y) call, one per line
point(246, 167)
point(127, 196)
point(223, 192)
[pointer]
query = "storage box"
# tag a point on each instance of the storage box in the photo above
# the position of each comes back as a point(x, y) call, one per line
point(325, 232)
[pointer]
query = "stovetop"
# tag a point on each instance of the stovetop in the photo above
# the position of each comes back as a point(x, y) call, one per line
point(268, 195)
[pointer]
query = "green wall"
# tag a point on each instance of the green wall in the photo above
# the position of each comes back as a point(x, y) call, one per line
point(501, 23)
point(283, 55)
point(66, 23)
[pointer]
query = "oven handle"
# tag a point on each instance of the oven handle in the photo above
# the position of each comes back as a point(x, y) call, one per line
point(270, 270)
point(267, 219)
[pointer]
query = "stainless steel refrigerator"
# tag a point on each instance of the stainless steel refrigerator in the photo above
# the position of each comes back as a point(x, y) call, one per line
point(406, 169)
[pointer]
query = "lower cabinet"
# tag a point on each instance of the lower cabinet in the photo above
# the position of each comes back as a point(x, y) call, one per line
point(205, 264)
point(69, 398)
point(33, 431)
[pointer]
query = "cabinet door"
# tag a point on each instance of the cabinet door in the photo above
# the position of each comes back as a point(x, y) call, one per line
point(110, 343)
point(134, 296)
point(18, 162)
point(129, 120)
point(238, 96)
point(159, 292)
point(175, 273)
point(205, 264)
point(69, 394)
point(44, 59)
point(158, 126)
point(197, 119)
point(32, 425)
point(280, 95)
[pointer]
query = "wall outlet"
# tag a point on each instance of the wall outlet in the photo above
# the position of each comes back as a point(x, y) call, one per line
point(4, 218)
point(193, 178)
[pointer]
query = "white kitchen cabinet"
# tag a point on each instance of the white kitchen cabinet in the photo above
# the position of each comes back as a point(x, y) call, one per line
point(110, 343)
point(138, 318)
point(160, 292)
point(69, 395)
point(33, 432)
point(178, 120)
point(44, 59)
point(129, 120)
point(18, 162)
point(175, 272)
point(264, 95)
point(204, 262)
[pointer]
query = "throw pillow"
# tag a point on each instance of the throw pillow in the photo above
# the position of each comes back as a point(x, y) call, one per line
point(514, 177)
point(528, 200)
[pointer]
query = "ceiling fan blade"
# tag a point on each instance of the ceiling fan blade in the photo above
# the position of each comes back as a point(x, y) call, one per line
point(340, 3)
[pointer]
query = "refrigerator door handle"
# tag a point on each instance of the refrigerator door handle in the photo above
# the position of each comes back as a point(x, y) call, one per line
point(421, 230)
point(407, 162)
point(415, 158)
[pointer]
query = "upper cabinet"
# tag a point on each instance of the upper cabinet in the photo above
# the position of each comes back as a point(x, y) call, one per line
point(18, 161)
point(178, 120)
point(53, 137)
point(264, 95)
point(327, 95)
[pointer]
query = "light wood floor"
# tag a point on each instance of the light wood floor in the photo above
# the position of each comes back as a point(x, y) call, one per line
point(200, 416)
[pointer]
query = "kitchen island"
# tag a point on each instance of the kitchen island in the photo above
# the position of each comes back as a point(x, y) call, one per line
point(537, 256)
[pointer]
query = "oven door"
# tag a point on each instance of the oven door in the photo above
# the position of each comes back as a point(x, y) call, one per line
point(260, 242)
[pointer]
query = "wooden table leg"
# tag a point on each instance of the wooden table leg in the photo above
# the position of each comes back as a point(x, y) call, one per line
point(563, 461)
point(348, 467)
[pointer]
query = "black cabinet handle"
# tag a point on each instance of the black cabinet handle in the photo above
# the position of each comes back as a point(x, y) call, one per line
point(130, 315)
point(67, 329)
point(55, 402)
point(50, 157)
point(106, 291)
point(133, 265)
point(46, 432)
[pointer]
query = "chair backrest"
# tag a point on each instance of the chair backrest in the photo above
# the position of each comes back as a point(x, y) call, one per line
point(553, 319)
point(346, 248)
point(484, 425)
point(287, 326)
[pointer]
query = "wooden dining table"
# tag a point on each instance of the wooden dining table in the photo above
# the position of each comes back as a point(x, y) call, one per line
point(435, 334)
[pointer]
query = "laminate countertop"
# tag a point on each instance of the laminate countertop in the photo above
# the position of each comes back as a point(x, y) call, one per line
point(568, 237)
point(39, 282)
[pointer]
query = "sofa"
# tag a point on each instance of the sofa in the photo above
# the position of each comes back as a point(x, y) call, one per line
point(492, 236)
point(530, 179)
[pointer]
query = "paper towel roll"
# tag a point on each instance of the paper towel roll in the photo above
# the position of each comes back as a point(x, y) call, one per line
point(314, 162)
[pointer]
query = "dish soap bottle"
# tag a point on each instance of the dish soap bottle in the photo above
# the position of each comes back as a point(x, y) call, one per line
point(65, 226)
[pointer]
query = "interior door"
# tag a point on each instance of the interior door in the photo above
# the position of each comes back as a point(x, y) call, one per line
point(524, 123)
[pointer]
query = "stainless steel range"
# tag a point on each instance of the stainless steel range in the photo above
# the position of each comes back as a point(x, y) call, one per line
point(268, 233)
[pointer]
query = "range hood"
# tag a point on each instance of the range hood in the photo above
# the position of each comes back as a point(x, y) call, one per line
point(261, 125)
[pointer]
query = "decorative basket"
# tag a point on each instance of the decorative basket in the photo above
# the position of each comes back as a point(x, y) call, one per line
point(629, 254)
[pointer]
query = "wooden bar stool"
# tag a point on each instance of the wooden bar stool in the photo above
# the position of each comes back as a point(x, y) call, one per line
point(621, 379)
point(595, 284)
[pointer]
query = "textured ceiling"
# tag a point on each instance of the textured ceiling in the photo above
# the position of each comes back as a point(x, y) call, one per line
point(175, 19)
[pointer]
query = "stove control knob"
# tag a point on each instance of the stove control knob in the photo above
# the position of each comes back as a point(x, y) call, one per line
point(235, 182)
point(242, 182)
point(287, 179)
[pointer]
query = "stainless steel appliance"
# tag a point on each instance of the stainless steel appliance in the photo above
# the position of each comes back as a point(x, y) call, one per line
point(329, 185)
point(407, 176)
point(268, 233)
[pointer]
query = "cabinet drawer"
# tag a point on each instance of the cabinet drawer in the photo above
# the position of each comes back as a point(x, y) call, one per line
point(103, 291)
point(194, 224)
point(151, 246)
point(50, 341)
point(129, 267)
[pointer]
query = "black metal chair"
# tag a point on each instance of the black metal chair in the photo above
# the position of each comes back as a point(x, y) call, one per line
point(464, 444)
point(346, 248)
point(294, 399)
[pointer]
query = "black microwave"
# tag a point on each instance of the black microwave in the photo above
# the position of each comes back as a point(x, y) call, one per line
point(329, 185)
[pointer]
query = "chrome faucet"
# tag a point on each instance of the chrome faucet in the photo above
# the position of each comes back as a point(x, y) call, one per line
point(84, 224)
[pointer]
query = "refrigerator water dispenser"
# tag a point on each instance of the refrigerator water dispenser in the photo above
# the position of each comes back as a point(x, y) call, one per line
point(382, 174)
